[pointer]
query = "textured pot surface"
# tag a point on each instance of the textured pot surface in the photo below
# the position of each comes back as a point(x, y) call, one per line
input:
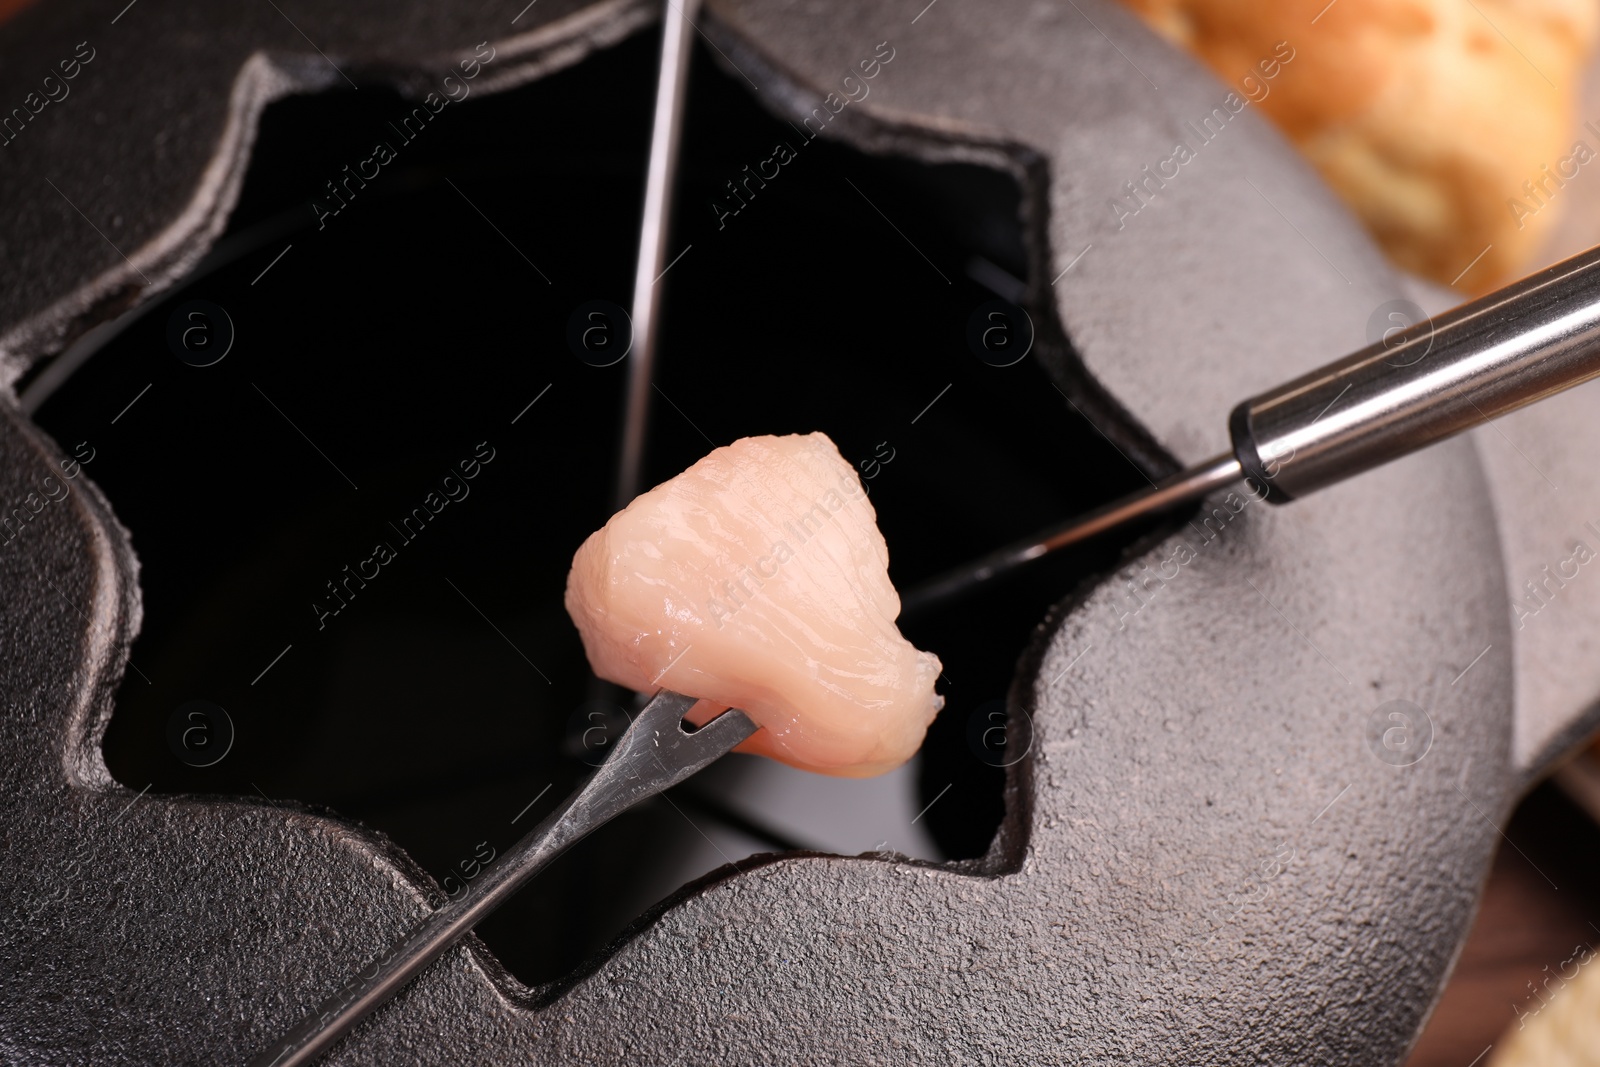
point(1210, 855)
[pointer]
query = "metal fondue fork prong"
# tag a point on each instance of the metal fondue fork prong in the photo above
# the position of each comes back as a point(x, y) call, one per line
point(654, 754)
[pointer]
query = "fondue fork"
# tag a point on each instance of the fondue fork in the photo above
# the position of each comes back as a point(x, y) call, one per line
point(654, 754)
point(1430, 381)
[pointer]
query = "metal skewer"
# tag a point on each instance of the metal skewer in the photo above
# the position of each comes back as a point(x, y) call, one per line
point(655, 753)
point(665, 134)
point(1185, 488)
point(1488, 357)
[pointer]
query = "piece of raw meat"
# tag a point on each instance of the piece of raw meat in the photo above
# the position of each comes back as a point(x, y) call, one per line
point(758, 579)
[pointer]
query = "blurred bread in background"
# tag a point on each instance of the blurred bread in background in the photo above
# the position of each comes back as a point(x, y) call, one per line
point(1447, 125)
point(1559, 1025)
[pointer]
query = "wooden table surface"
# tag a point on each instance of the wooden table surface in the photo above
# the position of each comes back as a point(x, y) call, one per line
point(1542, 900)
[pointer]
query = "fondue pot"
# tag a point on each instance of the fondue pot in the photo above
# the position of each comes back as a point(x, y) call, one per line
point(1258, 761)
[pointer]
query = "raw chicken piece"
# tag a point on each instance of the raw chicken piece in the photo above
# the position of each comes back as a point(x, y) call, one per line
point(757, 579)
